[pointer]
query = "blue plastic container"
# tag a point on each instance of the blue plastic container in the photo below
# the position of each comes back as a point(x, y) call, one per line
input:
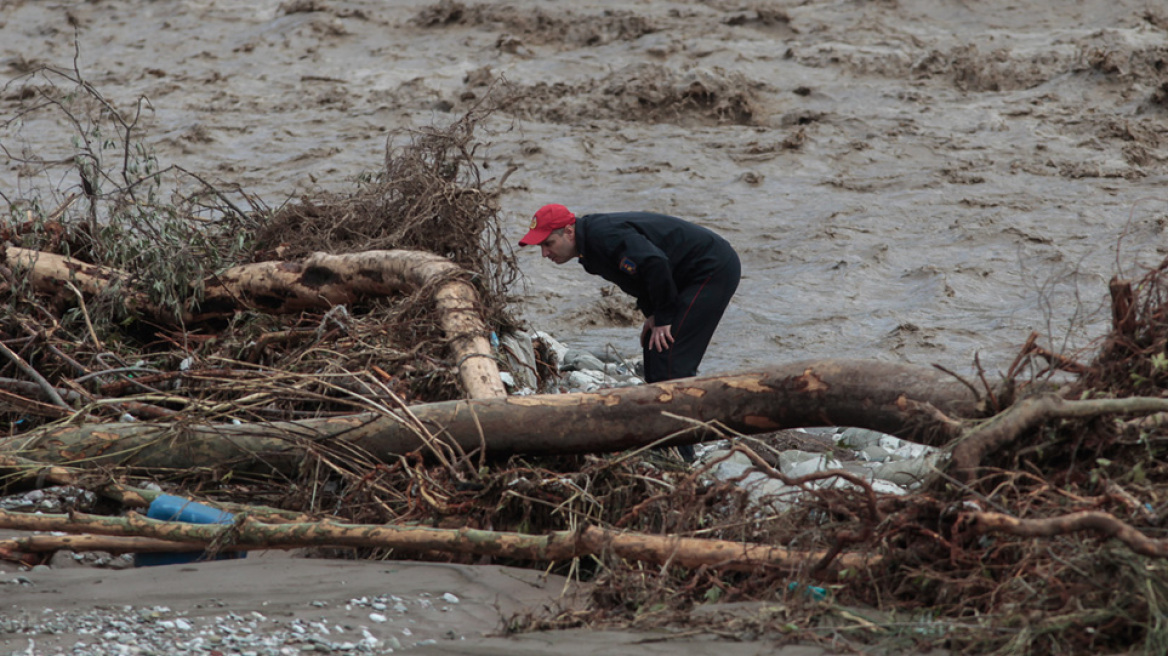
point(177, 509)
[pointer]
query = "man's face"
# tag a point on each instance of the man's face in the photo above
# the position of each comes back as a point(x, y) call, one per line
point(560, 246)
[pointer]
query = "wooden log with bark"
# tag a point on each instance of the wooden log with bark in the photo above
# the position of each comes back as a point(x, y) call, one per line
point(248, 533)
point(322, 280)
point(58, 276)
point(917, 403)
point(318, 282)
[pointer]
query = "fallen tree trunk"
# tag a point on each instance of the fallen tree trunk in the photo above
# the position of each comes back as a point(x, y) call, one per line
point(557, 546)
point(322, 280)
point(318, 282)
point(916, 403)
point(112, 543)
point(53, 274)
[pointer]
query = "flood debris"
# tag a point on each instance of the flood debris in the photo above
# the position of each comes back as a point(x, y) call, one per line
point(160, 333)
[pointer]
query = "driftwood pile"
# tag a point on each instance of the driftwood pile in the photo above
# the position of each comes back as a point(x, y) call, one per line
point(323, 371)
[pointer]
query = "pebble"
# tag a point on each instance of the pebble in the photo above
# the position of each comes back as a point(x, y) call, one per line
point(139, 631)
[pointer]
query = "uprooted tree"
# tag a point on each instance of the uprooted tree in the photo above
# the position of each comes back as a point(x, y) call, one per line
point(319, 282)
point(322, 369)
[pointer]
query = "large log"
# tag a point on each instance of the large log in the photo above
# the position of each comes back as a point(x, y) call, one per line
point(248, 533)
point(318, 282)
point(899, 399)
point(53, 274)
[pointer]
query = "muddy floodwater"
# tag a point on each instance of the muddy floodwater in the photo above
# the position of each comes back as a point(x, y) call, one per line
point(916, 180)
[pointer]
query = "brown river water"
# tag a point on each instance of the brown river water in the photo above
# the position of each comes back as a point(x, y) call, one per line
point(916, 180)
point(926, 181)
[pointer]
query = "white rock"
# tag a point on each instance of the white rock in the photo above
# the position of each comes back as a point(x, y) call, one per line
point(907, 473)
point(586, 381)
point(911, 450)
point(816, 462)
point(884, 487)
point(858, 438)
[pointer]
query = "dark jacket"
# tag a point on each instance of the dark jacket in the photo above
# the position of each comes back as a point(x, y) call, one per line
point(650, 256)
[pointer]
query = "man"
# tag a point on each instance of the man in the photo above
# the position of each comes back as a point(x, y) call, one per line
point(681, 274)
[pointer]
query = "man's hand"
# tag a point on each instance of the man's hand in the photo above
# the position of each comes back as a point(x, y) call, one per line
point(660, 338)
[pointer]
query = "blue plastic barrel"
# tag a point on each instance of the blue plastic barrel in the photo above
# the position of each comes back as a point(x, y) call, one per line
point(170, 508)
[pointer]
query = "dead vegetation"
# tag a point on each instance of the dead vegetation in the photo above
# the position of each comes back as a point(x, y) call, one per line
point(1045, 540)
point(168, 233)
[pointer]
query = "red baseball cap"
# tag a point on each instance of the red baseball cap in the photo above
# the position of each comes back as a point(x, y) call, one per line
point(546, 219)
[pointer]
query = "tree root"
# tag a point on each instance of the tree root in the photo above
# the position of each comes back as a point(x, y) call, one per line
point(1007, 427)
point(1098, 522)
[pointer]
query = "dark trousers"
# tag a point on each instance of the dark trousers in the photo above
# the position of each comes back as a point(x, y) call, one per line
point(703, 303)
